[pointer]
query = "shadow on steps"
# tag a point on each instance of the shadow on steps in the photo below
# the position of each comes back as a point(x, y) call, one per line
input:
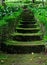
point(26, 38)
point(11, 49)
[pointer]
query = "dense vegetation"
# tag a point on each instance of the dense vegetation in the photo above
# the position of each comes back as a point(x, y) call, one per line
point(8, 17)
point(41, 14)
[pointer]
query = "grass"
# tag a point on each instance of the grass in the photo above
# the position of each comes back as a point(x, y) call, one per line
point(3, 56)
point(25, 59)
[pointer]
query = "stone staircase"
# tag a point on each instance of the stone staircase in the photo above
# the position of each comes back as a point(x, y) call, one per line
point(28, 29)
point(27, 35)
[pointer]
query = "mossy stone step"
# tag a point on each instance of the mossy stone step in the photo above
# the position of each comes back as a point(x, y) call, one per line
point(28, 19)
point(28, 22)
point(27, 30)
point(38, 28)
point(27, 38)
point(20, 43)
point(27, 15)
point(28, 25)
point(13, 47)
point(26, 34)
point(24, 23)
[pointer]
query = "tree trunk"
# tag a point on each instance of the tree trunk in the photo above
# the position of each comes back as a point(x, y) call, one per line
point(33, 1)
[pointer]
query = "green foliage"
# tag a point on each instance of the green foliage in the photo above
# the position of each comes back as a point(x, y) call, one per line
point(2, 22)
point(41, 14)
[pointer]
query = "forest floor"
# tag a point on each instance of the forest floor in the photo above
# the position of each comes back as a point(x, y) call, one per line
point(23, 59)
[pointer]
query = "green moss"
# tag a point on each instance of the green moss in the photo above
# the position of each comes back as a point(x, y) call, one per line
point(30, 43)
point(27, 34)
point(2, 22)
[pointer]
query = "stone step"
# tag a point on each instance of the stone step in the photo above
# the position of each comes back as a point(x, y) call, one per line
point(26, 19)
point(28, 25)
point(27, 22)
point(12, 47)
point(17, 28)
point(26, 37)
point(27, 15)
point(26, 34)
point(20, 43)
point(27, 30)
